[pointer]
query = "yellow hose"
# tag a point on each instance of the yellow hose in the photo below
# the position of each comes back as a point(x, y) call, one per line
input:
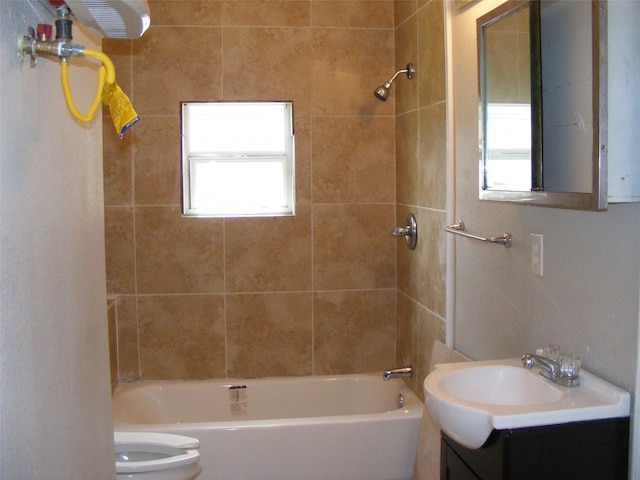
point(106, 62)
point(106, 73)
point(122, 113)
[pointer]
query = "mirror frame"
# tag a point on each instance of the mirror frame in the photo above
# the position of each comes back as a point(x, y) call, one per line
point(597, 198)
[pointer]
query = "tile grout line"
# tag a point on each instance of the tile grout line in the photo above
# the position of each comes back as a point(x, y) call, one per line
point(133, 225)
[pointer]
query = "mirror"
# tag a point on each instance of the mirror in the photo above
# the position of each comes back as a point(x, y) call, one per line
point(539, 112)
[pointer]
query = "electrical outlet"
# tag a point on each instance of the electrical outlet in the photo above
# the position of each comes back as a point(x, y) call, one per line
point(536, 254)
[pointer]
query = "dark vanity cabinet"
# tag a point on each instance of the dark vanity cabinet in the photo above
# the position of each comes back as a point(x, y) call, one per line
point(593, 450)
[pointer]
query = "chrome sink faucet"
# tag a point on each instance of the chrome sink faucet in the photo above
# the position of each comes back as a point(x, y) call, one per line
point(563, 372)
point(403, 372)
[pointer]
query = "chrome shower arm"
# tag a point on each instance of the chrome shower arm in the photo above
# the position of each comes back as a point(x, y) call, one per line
point(409, 71)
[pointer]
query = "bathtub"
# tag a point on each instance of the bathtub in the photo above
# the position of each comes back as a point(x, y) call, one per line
point(303, 428)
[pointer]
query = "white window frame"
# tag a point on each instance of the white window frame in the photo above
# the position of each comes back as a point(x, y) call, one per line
point(191, 159)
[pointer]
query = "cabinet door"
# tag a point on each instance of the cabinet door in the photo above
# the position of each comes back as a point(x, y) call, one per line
point(453, 468)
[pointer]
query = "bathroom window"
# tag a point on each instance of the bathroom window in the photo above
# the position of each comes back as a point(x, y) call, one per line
point(237, 159)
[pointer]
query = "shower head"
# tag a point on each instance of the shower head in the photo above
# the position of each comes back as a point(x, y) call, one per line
point(382, 92)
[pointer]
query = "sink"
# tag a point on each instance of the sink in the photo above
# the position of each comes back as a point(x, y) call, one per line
point(470, 399)
point(509, 385)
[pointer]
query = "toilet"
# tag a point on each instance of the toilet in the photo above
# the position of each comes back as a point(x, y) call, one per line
point(156, 456)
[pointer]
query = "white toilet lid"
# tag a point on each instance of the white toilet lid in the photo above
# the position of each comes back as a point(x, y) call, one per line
point(156, 438)
point(172, 451)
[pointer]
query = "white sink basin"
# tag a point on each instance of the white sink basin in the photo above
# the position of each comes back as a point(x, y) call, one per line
point(470, 399)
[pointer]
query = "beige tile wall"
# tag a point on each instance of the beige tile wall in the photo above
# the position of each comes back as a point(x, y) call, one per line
point(310, 294)
point(421, 181)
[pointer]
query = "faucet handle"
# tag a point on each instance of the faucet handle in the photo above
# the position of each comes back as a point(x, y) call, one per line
point(570, 365)
point(409, 232)
point(552, 352)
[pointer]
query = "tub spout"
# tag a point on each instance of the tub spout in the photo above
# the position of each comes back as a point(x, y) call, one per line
point(403, 372)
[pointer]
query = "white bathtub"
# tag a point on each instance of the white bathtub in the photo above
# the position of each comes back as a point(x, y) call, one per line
point(298, 428)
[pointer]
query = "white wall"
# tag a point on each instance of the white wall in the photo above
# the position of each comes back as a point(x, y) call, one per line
point(54, 366)
point(587, 300)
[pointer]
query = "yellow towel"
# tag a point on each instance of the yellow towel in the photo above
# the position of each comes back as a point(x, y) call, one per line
point(122, 113)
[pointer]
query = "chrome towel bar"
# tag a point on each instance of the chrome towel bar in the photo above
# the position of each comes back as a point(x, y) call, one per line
point(459, 229)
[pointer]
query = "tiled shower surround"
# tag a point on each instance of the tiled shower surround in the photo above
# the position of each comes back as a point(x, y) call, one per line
point(328, 290)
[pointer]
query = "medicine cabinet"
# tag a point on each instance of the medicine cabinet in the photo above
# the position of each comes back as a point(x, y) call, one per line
point(559, 103)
